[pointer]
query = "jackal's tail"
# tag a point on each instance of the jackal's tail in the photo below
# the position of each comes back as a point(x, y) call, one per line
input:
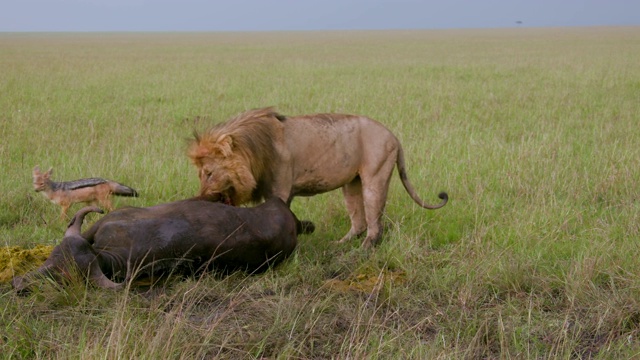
point(122, 190)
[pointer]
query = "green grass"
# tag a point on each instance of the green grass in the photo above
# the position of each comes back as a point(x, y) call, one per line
point(532, 132)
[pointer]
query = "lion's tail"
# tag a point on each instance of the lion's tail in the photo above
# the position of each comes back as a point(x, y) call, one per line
point(402, 171)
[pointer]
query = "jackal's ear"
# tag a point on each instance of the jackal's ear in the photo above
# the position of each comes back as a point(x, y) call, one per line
point(36, 170)
point(49, 172)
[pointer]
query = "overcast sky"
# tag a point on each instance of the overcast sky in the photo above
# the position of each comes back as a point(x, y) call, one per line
point(260, 15)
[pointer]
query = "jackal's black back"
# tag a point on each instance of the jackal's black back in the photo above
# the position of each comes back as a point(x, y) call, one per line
point(77, 184)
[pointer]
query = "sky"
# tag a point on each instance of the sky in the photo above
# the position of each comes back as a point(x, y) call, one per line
point(287, 15)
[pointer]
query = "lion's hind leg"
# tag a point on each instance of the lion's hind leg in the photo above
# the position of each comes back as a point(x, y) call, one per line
point(374, 194)
point(355, 206)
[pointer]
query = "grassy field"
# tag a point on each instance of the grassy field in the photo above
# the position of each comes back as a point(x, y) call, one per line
point(534, 133)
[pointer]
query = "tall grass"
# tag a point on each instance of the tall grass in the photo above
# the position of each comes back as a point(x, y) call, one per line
point(533, 132)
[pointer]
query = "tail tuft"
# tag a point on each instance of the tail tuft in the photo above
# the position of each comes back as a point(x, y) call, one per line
point(123, 190)
point(444, 196)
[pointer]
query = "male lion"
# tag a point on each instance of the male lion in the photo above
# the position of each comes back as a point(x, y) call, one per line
point(260, 153)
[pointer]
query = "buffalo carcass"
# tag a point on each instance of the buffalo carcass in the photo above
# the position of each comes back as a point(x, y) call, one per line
point(179, 237)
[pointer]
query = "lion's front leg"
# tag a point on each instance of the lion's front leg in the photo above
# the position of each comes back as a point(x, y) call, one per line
point(283, 188)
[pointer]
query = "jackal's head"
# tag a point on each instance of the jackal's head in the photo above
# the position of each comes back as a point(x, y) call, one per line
point(41, 179)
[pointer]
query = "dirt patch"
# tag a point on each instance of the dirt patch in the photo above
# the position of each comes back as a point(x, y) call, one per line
point(15, 260)
point(366, 283)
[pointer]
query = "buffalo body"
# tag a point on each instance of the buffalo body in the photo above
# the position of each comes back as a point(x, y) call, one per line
point(182, 236)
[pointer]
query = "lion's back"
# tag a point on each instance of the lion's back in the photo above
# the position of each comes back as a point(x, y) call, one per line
point(327, 151)
point(336, 135)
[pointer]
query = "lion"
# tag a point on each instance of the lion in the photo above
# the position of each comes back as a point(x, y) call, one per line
point(260, 154)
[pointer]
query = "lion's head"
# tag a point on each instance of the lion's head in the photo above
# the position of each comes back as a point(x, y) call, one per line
point(233, 157)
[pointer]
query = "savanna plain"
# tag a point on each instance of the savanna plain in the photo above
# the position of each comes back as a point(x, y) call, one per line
point(534, 134)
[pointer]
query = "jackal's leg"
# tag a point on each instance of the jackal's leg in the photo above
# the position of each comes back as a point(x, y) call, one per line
point(106, 202)
point(63, 213)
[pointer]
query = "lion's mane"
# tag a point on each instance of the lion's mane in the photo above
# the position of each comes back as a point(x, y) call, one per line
point(246, 143)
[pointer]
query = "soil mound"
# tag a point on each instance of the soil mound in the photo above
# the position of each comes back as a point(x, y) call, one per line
point(15, 260)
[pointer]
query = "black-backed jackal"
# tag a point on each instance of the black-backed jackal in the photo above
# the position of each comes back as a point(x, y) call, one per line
point(90, 190)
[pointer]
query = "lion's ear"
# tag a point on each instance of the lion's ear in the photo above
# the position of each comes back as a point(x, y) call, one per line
point(225, 143)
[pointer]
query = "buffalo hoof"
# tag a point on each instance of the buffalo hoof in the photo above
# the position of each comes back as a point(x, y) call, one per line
point(21, 285)
point(307, 227)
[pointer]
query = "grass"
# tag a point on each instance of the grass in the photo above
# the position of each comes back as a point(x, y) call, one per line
point(533, 132)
